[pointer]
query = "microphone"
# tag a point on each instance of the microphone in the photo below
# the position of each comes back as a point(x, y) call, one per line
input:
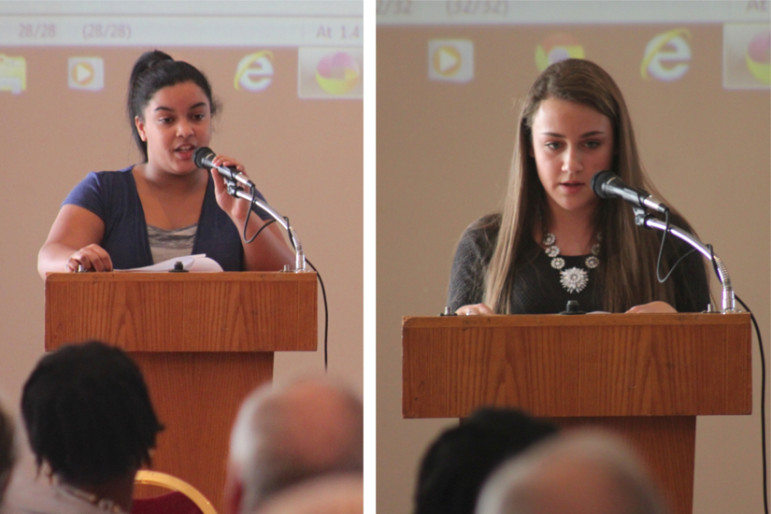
point(203, 157)
point(607, 184)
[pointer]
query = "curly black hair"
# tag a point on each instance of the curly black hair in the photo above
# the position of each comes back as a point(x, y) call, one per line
point(88, 413)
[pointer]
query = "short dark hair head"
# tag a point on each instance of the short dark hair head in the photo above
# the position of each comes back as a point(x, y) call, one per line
point(457, 463)
point(88, 414)
point(155, 70)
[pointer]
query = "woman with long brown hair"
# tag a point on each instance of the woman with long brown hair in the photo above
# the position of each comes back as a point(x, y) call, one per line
point(555, 240)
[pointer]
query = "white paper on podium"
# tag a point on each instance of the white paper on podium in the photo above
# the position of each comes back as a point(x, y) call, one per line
point(193, 263)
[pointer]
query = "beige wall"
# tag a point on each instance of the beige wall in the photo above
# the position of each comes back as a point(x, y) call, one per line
point(443, 156)
point(304, 156)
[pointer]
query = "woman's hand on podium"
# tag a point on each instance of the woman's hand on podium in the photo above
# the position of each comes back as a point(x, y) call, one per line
point(652, 307)
point(91, 257)
point(474, 309)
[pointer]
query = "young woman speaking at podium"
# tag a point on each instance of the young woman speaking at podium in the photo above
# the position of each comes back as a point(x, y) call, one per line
point(166, 206)
point(555, 239)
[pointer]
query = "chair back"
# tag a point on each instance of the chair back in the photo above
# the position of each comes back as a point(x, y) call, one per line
point(183, 498)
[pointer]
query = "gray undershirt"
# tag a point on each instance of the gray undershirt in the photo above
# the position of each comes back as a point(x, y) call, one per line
point(168, 244)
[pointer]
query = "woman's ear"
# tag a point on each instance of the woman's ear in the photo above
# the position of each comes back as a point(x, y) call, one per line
point(140, 125)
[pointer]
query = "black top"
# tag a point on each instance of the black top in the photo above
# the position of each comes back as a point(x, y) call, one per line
point(537, 288)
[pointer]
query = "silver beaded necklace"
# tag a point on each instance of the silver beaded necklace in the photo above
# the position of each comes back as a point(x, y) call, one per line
point(575, 279)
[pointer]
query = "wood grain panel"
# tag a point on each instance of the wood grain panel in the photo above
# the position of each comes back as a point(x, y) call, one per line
point(202, 340)
point(196, 397)
point(598, 365)
point(645, 377)
point(666, 444)
point(246, 311)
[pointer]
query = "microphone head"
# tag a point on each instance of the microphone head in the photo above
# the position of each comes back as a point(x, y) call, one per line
point(599, 180)
point(203, 156)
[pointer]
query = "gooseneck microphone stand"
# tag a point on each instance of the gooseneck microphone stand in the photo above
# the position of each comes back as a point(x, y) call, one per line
point(728, 304)
point(299, 257)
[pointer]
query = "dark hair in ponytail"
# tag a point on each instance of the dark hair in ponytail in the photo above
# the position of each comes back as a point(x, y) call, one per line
point(155, 70)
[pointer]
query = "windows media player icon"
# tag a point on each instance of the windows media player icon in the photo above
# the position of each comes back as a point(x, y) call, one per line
point(451, 60)
point(85, 73)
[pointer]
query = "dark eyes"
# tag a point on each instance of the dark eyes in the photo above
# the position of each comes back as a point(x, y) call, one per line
point(556, 145)
point(165, 120)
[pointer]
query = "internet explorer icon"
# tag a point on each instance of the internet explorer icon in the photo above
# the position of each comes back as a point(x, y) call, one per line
point(254, 72)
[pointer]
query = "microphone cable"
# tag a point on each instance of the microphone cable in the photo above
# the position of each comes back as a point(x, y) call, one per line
point(253, 208)
point(763, 442)
point(318, 276)
point(661, 253)
point(326, 313)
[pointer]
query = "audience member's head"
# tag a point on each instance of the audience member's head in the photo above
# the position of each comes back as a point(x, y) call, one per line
point(88, 416)
point(333, 494)
point(583, 472)
point(7, 449)
point(456, 464)
point(286, 435)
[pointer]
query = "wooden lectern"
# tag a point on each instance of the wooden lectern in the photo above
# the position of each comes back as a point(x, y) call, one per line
point(646, 376)
point(202, 340)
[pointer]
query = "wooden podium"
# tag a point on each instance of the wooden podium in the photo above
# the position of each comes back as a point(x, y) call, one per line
point(202, 340)
point(646, 376)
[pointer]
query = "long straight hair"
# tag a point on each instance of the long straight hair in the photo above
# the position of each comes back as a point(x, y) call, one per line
point(627, 273)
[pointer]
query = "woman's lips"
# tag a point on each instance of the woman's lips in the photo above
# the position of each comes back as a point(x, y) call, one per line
point(185, 151)
point(572, 186)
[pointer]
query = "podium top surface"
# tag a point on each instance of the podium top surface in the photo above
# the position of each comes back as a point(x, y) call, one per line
point(141, 276)
point(584, 320)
